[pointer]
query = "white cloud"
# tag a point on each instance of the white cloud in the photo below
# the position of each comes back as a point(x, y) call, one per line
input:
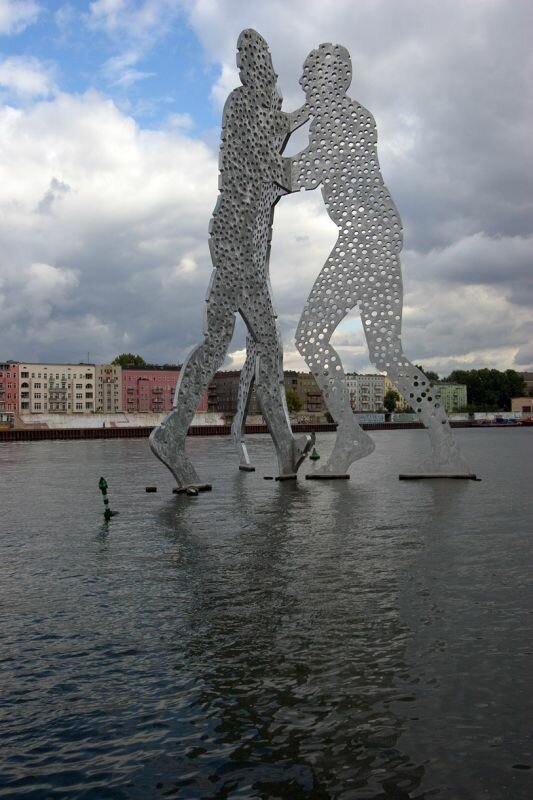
point(134, 18)
point(25, 77)
point(122, 207)
point(15, 15)
point(134, 27)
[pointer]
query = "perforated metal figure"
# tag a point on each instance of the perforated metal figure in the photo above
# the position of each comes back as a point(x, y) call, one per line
point(363, 268)
point(252, 178)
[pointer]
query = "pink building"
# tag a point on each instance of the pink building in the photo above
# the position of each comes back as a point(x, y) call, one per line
point(9, 386)
point(150, 388)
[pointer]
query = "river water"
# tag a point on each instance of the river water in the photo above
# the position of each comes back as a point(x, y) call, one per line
point(361, 639)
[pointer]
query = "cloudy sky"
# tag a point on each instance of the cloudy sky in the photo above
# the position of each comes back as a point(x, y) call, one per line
point(109, 128)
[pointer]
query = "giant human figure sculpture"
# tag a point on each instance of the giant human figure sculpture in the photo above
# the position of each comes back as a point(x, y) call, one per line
point(362, 270)
point(253, 176)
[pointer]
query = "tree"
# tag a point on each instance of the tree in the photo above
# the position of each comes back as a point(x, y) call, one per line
point(294, 402)
point(490, 389)
point(431, 376)
point(127, 359)
point(390, 400)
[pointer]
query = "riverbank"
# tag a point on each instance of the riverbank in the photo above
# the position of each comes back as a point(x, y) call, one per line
point(42, 434)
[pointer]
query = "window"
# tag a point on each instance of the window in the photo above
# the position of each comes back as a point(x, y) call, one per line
point(24, 394)
point(24, 374)
point(37, 406)
point(37, 385)
point(79, 396)
point(79, 406)
point(88, 394)
point(88, 405)
point(79, 386)
point(24, 405)
point(37, 395)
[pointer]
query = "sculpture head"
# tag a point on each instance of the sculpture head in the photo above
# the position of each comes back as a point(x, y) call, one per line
point(254, 61)
point(327, 71)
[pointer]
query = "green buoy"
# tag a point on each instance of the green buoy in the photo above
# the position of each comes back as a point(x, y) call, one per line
point(102, 485)
point(314, 455)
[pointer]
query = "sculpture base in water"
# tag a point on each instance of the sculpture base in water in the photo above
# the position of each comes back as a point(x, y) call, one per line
point(421, 476)
point(322, 476)
point(198, 487)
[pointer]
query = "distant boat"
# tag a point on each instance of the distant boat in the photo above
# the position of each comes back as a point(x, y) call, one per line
point(500, 421)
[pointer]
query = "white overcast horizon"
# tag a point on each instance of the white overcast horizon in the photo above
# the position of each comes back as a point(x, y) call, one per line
point(109, 131)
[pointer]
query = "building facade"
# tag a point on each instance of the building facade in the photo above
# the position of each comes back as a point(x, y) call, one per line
point(223, 392)
point(367, 392)
point(451, 395)
point(9, 386)
point(56, 388)
point(307, 389)
point(522, 404)
point(149, 388)
point(108, 388)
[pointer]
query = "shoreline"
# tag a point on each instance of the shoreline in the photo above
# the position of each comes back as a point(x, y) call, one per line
point(141, 432)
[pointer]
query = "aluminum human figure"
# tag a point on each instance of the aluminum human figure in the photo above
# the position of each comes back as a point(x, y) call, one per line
point(252, 178)
point(363, 268)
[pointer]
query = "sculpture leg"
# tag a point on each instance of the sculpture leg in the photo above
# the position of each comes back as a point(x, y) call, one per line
point(321, 315)
point(269, 384)
point(386, 353)
point(245, 390)
point(167, 441)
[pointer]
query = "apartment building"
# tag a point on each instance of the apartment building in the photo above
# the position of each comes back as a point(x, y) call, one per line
point(149, 388)
point(367, 392)
point(307, 389)
point(223, 392)
point(451, 395)
point(108, 388)
point(401, 404)
point(9, 386)
point(56, 388)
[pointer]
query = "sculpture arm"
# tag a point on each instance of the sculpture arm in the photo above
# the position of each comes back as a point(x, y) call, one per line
point(297, 118)
point(305, 174)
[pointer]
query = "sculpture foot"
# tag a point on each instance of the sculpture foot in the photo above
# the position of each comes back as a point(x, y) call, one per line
point(300, 447)
point(244, 459)
point(171, 452)
point(448, 460)
point(346, 452)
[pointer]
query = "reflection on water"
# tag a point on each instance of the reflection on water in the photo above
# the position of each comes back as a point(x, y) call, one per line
point(368, 639)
